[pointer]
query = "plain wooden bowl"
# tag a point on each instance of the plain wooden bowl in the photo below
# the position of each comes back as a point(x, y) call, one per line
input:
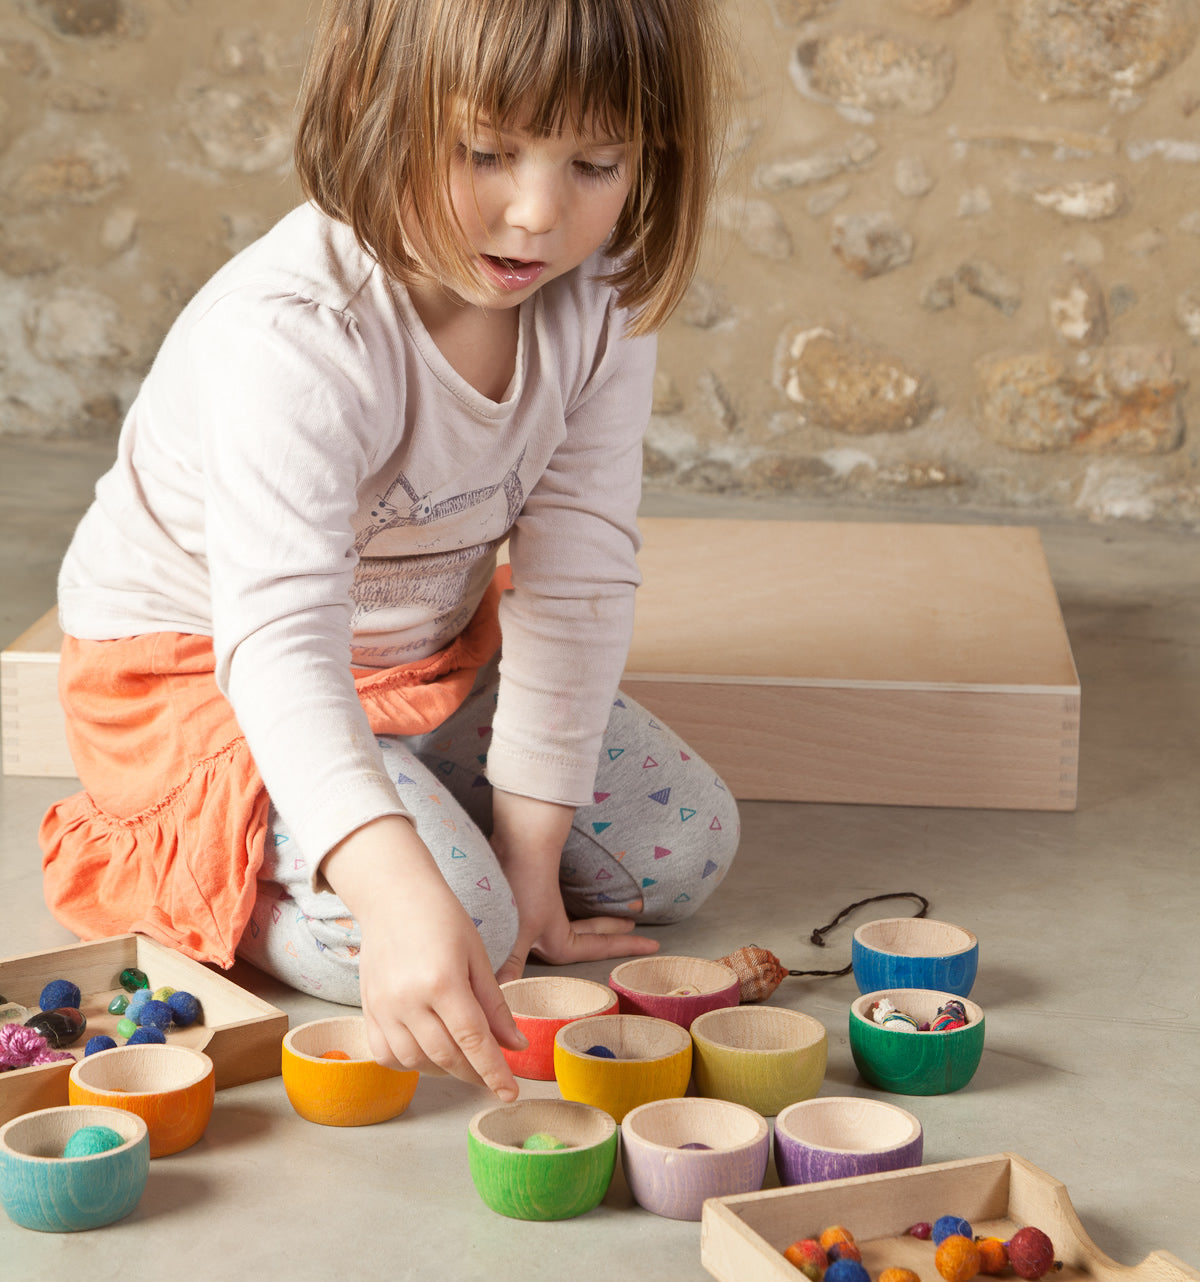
point(765, 1057)
point(838, 1136)
point(170, 1087)
point(673, 1181)
point(914, 952)
point(43, 1190)
point(913, 1063)
point(542, 1183)
point(355, 1091)
point(541, 1005)
point(674, 988)
point(652, 1059)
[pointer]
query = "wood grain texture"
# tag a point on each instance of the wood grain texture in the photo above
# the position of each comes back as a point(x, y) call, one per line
point(914, 952)
point(838, 1136)
point(914, 1063)
point(355, 1091)
point(540, 1006)
point(677, 989)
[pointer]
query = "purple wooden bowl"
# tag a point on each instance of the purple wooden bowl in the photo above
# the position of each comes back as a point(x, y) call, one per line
point(836, 1137)
point(676, 989)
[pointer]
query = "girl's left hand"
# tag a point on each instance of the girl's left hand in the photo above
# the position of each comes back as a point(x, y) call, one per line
point(528, 838)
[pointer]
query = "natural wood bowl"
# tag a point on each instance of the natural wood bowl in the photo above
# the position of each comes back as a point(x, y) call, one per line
point(914, 952)
point(542, 1184)
point(541, 1005)
point(765, 1057)
point(674, 988)
point(912, 1063)
point(652, 1059)
point(839, 1136)
point(43, 1190)
point(674, 1181)
point(342, 1092)
point(170, 1087)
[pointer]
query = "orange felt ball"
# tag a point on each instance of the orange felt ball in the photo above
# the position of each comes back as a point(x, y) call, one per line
point(834, 1234)
point(335, 1055)
point(957, 1259)
point(993, 1255)
point(899, 1275)
point(808, 1256)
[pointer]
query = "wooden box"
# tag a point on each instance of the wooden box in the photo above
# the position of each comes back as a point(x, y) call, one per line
point(743, 1238)
point(890, 664)
point(893, 664)
point(239, 1032)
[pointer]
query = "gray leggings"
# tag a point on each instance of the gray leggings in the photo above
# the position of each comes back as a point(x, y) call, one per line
point(659, 837)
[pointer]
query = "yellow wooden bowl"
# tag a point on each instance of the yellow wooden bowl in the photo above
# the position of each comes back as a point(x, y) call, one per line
point(171, 1088)
point(650, 1059)
point(337, 1091)
point(765, 1057)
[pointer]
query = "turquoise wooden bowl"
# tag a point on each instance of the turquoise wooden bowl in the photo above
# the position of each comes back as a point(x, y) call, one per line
point(41, 1189)
point(542, 1183)
point(913, 1063)
point(914, 952)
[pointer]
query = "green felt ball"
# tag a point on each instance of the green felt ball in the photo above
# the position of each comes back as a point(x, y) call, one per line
point(542, 1141)
point(92, 1139)
point(126, 1027)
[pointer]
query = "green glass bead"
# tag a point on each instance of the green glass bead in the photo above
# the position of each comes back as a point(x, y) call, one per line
point(118, 1004)
point(131, 979)
point(126, 1028)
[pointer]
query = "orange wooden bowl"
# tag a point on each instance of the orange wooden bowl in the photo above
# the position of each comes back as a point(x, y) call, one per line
point(171, 1088)
point(351, 1091)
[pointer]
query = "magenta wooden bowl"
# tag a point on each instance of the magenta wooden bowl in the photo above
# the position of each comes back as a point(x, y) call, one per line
point(541, 1005)
point(674, 1181)
point(840, 1136)
point(674, 988)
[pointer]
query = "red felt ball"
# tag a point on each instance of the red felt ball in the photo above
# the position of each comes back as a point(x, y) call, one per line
point(1031, 1253)
point(922, 1231)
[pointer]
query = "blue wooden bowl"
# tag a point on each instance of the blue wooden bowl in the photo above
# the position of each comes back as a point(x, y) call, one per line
point(913, 1063)
point(43, 1190)
point(914, 952)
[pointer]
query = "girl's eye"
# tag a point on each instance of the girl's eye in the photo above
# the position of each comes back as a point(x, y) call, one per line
point(479, 159)
point(600, 173)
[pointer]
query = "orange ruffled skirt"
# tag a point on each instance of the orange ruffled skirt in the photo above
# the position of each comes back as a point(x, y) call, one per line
point(166, 839)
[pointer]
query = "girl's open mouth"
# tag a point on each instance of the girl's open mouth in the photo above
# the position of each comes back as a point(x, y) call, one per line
point(512, 273)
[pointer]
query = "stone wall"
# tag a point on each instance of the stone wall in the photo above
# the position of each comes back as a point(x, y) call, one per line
point(955, 264)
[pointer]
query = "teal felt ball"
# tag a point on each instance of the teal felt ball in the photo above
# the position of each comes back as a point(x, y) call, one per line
point(185, 1009)
point(147, 1034)
point(154, 1014)
point(60, 992)
point(89, 1140)
point(136, 1002)
point(99, 1043)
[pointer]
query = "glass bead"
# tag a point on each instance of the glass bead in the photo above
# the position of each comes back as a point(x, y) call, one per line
point(61, 1028)
point(14, 1013)
point(118, 1004)
point(126, 1028)
point(131, 979)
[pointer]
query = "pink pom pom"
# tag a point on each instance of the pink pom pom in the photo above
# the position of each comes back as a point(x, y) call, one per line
point(22, 1047)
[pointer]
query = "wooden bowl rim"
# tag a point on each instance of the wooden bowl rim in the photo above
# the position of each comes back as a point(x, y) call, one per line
point(862, 937)
point(786, 1118)
point(119, 1119)
point(860, 1007)
point(586, 1116)
point(750, 1015)
point(604, 997)
point(102, 1060)
point(357, 1022)
point(633, 1138)
point(713, 977)
point(580, 1030)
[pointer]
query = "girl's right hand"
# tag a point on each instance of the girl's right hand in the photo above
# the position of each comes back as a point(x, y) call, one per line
point(429, 997)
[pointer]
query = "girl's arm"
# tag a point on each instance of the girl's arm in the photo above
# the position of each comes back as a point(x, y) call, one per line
point(429, 997)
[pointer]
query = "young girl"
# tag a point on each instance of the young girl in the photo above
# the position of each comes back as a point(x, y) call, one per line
point(286, 693)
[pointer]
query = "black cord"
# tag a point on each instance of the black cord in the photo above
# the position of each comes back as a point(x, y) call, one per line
point(818, 936)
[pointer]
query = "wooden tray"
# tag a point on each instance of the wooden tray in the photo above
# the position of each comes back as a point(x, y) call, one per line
point(240, 1033)
point(743, 1238)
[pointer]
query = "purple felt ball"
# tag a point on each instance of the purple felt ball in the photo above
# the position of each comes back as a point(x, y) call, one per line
point(99, 1043)
point(147, 1035)
point(154, 1014)
point(951, 1226)
point(846, 1271)
point(185, 1009)
point(59, 993)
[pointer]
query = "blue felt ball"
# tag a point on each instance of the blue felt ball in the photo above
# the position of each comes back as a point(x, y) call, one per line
point(136, 1001)
point(98, 1043)
point(601, 1051)
point(147, 1035)
point(154, 1014)
point(185, 1009)
point(846, 1271)
point(950, 1226)
point(59, 993)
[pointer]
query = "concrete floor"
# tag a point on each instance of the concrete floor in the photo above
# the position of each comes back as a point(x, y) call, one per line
point(1089, 945)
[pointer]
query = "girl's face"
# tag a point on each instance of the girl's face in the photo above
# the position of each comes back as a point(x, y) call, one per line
point(533, 208)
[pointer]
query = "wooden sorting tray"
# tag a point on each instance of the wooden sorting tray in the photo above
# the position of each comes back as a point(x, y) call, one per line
point(743, 1238)
point(240, 1033)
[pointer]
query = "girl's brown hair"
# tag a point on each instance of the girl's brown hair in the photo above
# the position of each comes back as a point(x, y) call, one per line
point(388, 81)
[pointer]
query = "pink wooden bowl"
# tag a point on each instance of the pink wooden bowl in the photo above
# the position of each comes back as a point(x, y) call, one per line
point(672, 1180)
point(541, 1005)
point(674, 988)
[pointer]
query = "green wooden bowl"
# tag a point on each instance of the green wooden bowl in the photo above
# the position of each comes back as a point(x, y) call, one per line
point(542, 1183)
point(913, 1063)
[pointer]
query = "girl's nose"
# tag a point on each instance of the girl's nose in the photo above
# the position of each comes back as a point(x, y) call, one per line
point(535, 203)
